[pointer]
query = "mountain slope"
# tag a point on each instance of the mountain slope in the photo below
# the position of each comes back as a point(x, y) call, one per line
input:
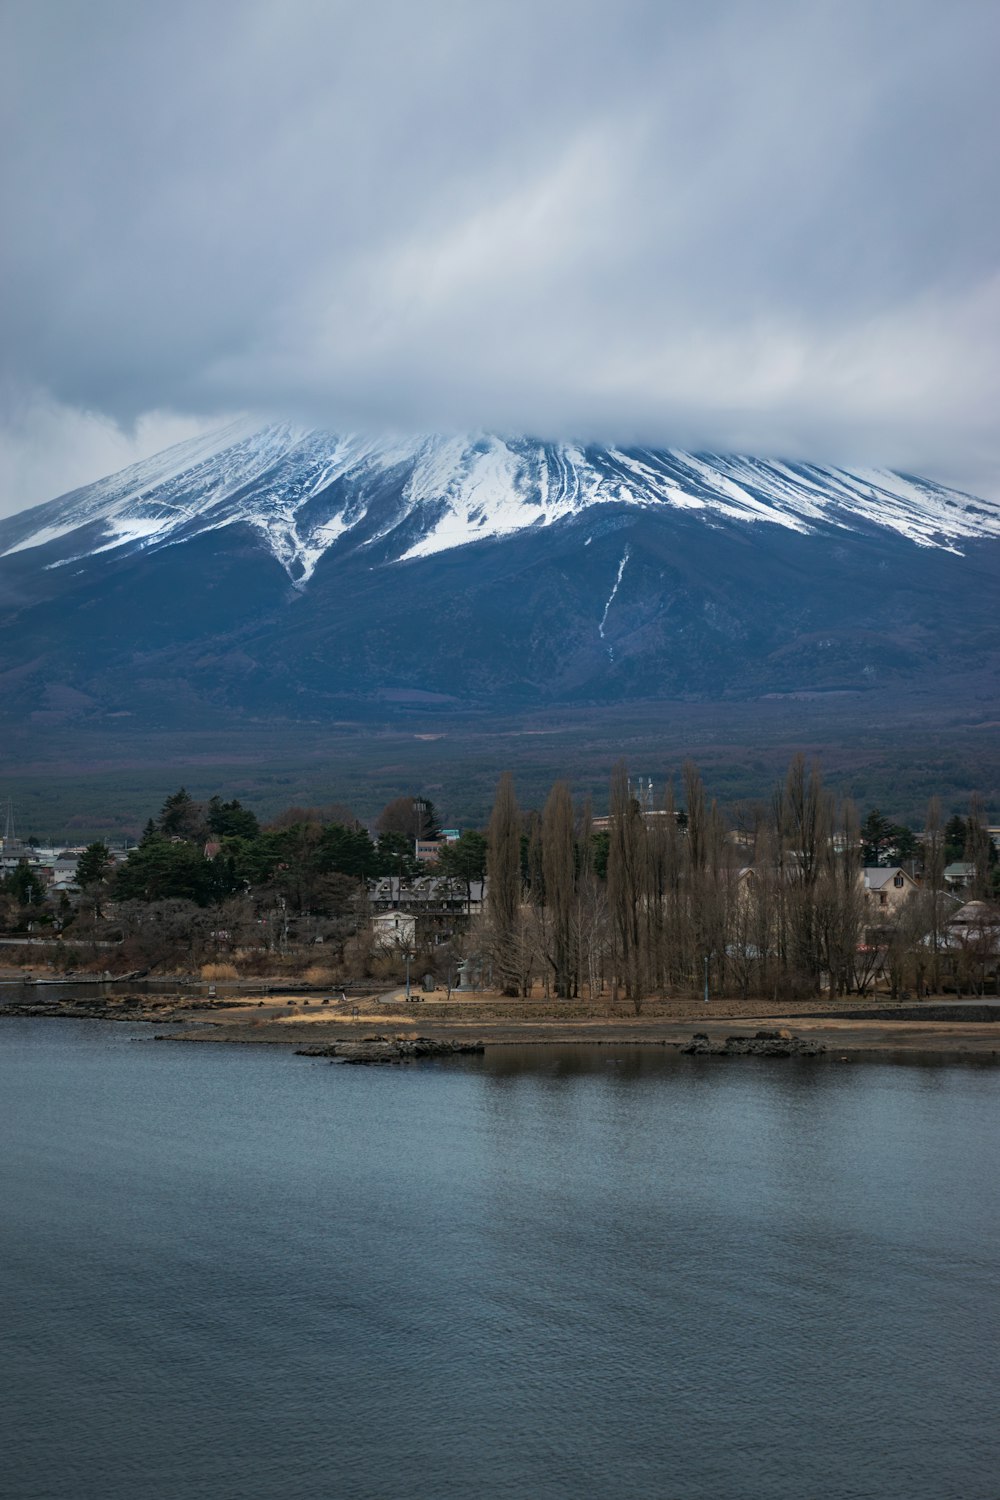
point(291, 575)
point(309, 494)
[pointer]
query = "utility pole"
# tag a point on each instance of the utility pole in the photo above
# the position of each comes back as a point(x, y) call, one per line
point(706, 978)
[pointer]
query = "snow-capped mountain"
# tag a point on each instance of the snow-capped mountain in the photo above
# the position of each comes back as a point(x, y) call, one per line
point(310, 494)
point(291, 574)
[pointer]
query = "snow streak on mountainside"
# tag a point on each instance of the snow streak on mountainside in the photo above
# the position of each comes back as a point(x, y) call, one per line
point(611, 599)
point(307, 492)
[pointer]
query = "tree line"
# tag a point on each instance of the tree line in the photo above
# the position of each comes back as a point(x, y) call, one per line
point(669, 899)
point(660, 897)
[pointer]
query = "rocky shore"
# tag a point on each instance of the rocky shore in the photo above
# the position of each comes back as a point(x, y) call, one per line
point(370, 1050)
point(381, 1027)
point(160, 1008)
point(777, 1043)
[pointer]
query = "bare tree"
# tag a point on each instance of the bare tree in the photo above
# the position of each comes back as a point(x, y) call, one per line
point(411, 816)
point(978, 848)
point(558, 863)
point(626, 885)
point(503, 865)
point(806, 829)
point(934, 886)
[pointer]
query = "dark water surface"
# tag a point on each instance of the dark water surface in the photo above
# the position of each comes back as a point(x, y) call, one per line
point(227, 1271)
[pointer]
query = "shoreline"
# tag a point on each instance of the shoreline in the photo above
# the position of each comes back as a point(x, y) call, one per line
point(942, 1031)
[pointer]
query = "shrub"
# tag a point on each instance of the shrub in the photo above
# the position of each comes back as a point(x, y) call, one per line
point(386, 967)
point(317, 974)
point(218, 971)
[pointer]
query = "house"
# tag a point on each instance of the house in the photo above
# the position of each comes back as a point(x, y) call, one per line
point(440, 906)
point(972, 939)
point(653, 817)
point(64, 876)
point(959, 875)
point(394, 929)
point(976, 918)
point(887, 888)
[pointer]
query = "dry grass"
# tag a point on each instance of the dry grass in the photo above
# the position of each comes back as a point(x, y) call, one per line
point(218, 971)
point(317, 974)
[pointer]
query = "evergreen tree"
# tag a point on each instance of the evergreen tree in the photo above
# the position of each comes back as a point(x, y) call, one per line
point(600, 843)
point(182, 817)
point(159, 870)
point(347, 851)
point(24, 884)
point(395, 853)
point(231, 820)
point(884, 843)
point(465, 859)
point(94, 865)
point(954, 839)
point(93, 870)
point(876, 832)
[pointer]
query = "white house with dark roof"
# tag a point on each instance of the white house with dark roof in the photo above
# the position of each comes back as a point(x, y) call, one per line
point(887, 888)
point(394, 929)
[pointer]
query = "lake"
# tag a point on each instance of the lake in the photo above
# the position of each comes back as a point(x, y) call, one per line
point(545, 1273)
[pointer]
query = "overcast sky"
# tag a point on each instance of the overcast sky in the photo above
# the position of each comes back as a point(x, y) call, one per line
point(763, 226)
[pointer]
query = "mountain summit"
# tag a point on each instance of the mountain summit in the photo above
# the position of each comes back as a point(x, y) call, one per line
point(293, 574)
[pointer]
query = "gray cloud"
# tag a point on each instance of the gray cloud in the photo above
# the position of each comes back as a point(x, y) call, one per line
point(766, 226)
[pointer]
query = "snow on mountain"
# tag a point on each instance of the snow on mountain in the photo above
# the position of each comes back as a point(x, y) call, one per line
point(307, 492)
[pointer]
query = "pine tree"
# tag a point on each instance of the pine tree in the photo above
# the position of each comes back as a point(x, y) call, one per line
point(182, 817)
point(24, 885)
point(876, 838)
point(231, 820)
point(92, 871)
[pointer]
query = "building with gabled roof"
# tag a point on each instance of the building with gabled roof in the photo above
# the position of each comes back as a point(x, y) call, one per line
point(887, 887)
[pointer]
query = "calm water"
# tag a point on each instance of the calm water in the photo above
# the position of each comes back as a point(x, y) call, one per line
point(233, 1272)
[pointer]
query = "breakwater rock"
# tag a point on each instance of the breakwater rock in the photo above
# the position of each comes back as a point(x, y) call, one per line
point(778, 1043)
point(371, 1050)
point(116, 1007)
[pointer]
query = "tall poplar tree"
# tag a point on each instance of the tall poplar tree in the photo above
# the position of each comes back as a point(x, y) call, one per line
point(559, 873)
point(806, 821)
point(934, 860)
point(503, 894)
point(626, 884)
point(978, 848)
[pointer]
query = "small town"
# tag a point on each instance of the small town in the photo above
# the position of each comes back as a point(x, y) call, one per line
point(655, 900)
